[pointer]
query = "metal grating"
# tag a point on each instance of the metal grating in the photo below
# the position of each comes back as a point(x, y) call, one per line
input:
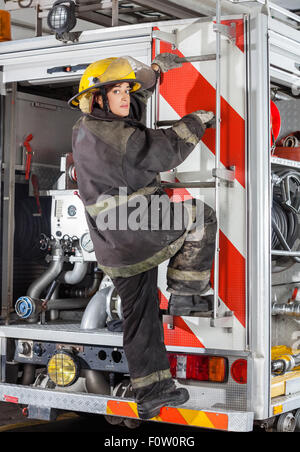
point(125, 12)
point(108, 13)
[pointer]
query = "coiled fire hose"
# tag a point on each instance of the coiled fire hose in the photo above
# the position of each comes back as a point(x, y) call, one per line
point(285, 209)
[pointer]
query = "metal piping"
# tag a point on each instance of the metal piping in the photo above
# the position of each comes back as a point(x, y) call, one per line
point(278, 95)
point(217, 155)
point(86, 292)
point(67, 303)
point(30, 308)
point(291, 309)
point(284, 364)
point(73, 276)
point(78, 272)
point(36, 288)
point(95, 315)
point(95, 382)
point(90, 291)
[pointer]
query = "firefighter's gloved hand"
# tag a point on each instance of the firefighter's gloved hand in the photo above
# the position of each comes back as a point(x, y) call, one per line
point(206, 117)
point(167, 61)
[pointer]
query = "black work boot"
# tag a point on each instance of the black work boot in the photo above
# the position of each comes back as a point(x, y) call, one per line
point(151, 407)
point(197, 305)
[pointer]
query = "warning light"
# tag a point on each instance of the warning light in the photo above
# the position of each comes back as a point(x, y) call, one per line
point(5, 28)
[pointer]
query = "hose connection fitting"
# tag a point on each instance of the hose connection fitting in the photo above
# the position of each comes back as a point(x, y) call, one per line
point(27, 307)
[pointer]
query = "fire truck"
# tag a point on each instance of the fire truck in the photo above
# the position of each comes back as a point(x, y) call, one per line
point(241, 365)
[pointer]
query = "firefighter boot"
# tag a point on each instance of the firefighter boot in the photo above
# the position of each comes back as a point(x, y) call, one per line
point(197, 305)
point(150, 406)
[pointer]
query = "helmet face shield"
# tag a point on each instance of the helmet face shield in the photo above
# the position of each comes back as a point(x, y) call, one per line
point(119, 69)
point(109, 71)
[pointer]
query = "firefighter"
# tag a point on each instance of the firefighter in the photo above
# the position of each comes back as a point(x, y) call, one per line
point(117, 160)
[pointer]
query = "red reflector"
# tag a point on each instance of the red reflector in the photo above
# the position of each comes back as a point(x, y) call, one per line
point(11, 399)
point(198, 367)
point(239, 371)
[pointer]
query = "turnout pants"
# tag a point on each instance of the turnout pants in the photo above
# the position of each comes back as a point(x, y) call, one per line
point(189, 270)
point(143, 340)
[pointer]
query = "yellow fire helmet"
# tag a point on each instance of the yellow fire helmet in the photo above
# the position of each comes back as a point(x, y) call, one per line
point(100, 73)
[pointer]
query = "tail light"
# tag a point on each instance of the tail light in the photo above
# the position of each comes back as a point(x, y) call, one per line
point(5, 26)
point(239, 371)
point(201, 368)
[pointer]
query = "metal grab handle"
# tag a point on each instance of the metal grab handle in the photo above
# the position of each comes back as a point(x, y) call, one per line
point(167, 123)
point(171, 122)
point(285, 253)
point(217, 155)
point(191, 59)
point(188, 184)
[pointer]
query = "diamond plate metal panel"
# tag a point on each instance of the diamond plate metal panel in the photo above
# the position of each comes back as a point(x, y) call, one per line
point(289, 113)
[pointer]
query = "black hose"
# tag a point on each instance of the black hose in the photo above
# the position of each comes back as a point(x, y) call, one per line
point(286, 223)
point(28, 376)
point(28, 227)
point(285, 210)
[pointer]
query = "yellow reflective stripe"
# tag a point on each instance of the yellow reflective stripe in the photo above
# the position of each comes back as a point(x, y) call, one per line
point(196, 418)
point(105, 205)
point(183, 416)
point(147, 264)
point(133, 406)
point(112, 202)
point(140, 267)
point(187, 275)
point(159, 375)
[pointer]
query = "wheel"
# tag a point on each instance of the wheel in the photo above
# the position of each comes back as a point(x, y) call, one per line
point(286, 423)
point(297, 421)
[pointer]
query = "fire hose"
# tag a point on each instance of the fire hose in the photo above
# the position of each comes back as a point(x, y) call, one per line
point(285, 209)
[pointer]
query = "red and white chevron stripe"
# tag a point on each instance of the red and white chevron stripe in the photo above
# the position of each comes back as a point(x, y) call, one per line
point(183, 91)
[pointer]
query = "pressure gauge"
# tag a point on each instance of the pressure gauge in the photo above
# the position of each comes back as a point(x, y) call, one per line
point(86, 243)
point(72, 211)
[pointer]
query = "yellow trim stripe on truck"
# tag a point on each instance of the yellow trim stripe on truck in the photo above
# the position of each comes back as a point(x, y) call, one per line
point(171, 415)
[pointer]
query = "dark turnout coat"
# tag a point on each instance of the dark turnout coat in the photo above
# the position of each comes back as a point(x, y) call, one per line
point(117, 162)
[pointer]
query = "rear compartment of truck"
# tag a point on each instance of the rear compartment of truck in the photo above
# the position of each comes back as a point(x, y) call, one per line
point(70, 357)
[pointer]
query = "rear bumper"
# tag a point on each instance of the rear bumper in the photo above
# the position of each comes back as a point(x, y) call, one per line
point(237, 421)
